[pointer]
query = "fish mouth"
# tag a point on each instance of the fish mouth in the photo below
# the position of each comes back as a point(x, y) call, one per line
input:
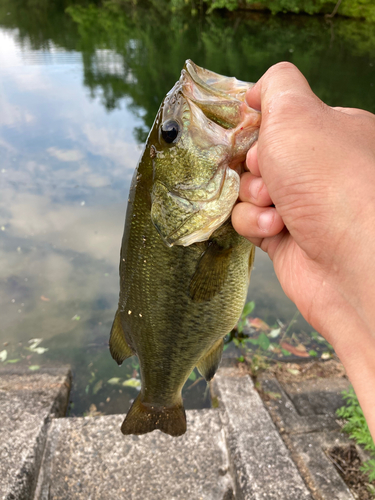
point(221, 98)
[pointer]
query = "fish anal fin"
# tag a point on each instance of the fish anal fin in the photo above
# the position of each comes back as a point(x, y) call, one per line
point(143, 418)
point(211, 273)
point(209, 363)
point(118, 347)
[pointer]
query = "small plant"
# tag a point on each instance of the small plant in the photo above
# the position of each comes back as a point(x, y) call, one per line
point(247, 310)
point(357, 428)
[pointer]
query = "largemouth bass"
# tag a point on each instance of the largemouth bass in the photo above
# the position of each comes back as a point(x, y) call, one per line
point(184, 271)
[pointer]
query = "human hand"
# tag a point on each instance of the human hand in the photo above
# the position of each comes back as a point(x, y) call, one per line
point(316, 164)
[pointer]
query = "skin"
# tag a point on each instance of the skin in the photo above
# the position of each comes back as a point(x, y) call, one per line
point(316, 164)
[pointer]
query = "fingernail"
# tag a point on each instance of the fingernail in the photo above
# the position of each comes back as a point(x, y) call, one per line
point(265, 219)
point(255, 187)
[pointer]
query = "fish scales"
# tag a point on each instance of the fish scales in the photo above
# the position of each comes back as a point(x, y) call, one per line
point(184, 271)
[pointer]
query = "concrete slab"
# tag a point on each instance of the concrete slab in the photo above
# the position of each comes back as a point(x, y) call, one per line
point(27, 403)
point(323, 478)
point(320, 396)
point(304, 412)
point(261, 463)
point(89, 459)
point(285, 414)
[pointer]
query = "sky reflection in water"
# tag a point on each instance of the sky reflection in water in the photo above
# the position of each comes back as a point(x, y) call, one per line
point(66, 162)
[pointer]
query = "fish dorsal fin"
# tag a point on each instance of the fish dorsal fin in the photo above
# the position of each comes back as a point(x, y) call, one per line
point(209, 363)
point(118, 346)
point(211, 273)
point(142, 418)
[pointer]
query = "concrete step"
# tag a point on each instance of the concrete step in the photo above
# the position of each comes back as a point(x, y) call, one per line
point(227, 453)
point(235, 451)
point(89, 459)
point(28, 402)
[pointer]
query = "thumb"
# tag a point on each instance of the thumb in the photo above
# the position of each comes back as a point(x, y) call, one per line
point(282, 78)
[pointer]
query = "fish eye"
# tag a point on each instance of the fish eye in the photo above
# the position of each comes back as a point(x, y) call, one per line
point(170, 130)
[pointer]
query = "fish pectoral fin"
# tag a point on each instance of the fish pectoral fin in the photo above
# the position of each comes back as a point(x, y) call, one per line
point(209, 363)
point(118, 347)
point(211, 273)
point(142, 418)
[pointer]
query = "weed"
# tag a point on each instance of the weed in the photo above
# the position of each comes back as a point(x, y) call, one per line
point(357, 428)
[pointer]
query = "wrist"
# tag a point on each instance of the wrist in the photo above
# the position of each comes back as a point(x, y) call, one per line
point(354, 344)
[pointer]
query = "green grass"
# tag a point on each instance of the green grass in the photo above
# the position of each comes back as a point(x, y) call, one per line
point(357, 428)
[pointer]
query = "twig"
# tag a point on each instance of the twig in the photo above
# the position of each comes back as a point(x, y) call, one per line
point(296, 314)
point(335, 463)
point(333, 13)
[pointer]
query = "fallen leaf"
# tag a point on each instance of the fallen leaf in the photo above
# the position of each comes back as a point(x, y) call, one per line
point(295, 350)
point(275, 333)
point(3, 355)
point(293, 371)
point(33, 368)
point(34, 343)
point(133, 382)
point(45, 299)
point(97, 387)
point(258, 324)
point(113, 381)
point(325, 355)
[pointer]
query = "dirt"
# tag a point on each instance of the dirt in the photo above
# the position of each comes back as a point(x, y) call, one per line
point(296, 372)
point(348, 463)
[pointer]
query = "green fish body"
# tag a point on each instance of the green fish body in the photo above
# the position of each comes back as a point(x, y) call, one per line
point(184, 271)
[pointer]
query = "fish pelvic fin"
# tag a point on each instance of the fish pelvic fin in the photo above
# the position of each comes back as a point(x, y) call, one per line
point(251, 259)
point(143, 418)
point(118, 347)
point(211, 273)
point(209, 363)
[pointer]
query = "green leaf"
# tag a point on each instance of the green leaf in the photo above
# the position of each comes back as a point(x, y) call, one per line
point(313, 353)
point(192, 376)
point(12, 360)
point(285, 352)
point(251, 341)
point(248, 309)
point(241, 359)
point(263, 341)
point(241, 325)
point(33, 368)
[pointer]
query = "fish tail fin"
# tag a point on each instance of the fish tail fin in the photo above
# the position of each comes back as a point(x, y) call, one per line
point(143, 418)
point(118, 347)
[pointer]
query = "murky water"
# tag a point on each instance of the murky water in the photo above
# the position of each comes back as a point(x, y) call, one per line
point(79, 88)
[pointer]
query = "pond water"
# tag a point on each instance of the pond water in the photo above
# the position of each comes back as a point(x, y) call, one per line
point(80, 85)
